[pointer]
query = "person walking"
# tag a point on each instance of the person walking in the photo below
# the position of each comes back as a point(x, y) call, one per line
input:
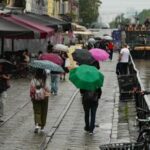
point(55, 76)
point(65, 59)
point(49, 47)
point(39, 93)
point(4, 85)
point(90, 103)
point(110, 48)
point(124, 59)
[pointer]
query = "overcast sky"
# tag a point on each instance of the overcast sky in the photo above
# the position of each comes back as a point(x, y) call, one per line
point(110, 8)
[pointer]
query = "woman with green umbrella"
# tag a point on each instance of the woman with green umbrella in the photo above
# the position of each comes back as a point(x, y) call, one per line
point(90, 80)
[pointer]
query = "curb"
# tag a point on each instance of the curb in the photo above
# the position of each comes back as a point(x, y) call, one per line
point(52, 131)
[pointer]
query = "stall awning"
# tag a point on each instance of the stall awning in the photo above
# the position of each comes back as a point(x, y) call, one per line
point(78, 27)
point(46, 20)
point(40, 31)
point(12, 30)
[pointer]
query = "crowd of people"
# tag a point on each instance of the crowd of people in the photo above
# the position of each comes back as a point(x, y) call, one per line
point(41, 89)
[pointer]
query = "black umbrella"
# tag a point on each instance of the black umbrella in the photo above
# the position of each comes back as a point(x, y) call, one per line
point(8, 67)
point(83, 56)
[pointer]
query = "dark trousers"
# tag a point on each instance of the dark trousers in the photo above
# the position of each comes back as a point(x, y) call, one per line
point(90, 116)
point(123, 68)
point(111, 54)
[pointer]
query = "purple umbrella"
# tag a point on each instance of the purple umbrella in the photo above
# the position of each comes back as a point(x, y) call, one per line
point(99, 54)
point(55, 58)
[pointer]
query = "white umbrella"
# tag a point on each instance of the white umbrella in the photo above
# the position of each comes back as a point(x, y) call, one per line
point(61, 47)
point(91, 40)
point(107, 37)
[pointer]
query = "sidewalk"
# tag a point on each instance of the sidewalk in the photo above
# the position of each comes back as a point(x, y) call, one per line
point(70, 134)
point(65, 122)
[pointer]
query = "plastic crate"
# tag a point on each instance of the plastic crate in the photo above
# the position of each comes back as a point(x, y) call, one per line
point(122, 146)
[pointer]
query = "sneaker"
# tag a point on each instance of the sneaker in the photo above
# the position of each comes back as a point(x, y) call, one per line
point(42, 130)
point(36, 129)
point(1, 120)
point(55, 94)
point(91, 133)
point(86, 129)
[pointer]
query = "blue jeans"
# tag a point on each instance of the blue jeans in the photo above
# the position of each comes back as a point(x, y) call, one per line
point(90, 116)
point(54, 83)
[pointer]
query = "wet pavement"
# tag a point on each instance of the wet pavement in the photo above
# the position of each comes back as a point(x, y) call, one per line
point(65, 120)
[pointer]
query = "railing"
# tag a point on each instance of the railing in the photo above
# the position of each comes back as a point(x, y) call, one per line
point(132, 82)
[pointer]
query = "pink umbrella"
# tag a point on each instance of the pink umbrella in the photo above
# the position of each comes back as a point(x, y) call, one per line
point(55, 58)
point(99, 54)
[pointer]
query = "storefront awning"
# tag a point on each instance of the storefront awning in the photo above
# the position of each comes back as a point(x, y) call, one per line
point(46, 20)
point(40, 31)
point(12, 30)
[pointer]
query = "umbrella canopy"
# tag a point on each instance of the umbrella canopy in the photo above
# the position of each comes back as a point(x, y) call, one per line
point(61, 47)
point(86, 77)
point(12, 30)
point(91, 40)
point(107, 37)
point(55, 58)
point(46, 20)
point(83, 56)
point(7, 65)
point(45, 64)
point(99, 54)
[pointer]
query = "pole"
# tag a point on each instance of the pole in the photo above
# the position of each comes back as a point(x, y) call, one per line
point(2, 46)
point(12, 44)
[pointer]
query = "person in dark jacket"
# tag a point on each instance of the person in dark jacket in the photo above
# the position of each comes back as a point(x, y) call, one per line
point(4, 85)
point(90, 103)
point(49, 47)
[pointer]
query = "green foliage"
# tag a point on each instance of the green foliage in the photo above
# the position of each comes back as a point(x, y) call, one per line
point(142, 16)
point(119, 20)
point(88, 10)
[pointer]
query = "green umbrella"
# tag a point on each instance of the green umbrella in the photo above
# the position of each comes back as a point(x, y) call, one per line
point(86, 77)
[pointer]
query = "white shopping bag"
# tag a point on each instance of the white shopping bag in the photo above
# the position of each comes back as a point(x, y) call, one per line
point(67, 62)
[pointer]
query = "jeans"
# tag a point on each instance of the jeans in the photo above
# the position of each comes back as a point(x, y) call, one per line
point(2, 101)
point(90, 116)
point(54, 83)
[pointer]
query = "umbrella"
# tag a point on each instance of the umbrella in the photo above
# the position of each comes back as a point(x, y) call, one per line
point(86, 77)
point(61, 47)
point(99, 54)
point(91, 40)
point(55, 58)
point(107, 37)
point(8, 66)
point(45, 64)
point(83, 56)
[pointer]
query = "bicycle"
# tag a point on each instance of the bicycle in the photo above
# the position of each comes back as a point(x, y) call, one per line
point(142, 143)
point(144, 135)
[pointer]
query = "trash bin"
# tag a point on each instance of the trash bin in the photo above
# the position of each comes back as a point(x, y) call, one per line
point(122, 146)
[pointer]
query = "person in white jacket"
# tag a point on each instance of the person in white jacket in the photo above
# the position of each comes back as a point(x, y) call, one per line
point(124, 59)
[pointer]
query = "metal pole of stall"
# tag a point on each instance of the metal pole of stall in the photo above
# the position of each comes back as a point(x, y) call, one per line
point(2, 46)
point(12, 45)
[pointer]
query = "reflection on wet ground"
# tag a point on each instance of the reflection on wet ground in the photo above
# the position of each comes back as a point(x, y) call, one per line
point(144, 71)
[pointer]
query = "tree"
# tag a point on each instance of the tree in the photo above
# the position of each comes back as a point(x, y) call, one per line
point(88, 10)
point(143, 15)
point(120, 20)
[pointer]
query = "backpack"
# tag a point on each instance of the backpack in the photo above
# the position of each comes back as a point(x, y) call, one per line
point(90, 96)
point(39, 90)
